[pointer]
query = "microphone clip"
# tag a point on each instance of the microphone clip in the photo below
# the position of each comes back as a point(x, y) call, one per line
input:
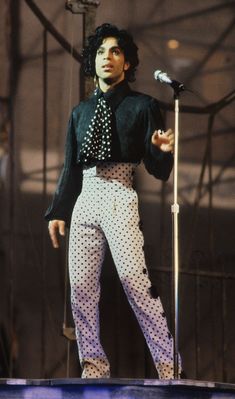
point(178, 87)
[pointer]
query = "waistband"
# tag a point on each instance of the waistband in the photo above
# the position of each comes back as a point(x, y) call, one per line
point(120, 171)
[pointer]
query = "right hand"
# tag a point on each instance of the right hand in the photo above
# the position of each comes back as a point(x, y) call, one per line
point(54, 227)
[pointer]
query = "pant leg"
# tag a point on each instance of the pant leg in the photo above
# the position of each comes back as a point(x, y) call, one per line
point(126, 244)
point(86, 253)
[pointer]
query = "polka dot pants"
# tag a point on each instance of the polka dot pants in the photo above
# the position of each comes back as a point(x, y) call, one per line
point(107, 211)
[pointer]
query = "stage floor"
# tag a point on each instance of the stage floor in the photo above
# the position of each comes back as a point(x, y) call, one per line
point(78, 388)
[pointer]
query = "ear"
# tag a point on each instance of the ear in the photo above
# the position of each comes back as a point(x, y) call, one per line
point(96, 81)
point(126, 66)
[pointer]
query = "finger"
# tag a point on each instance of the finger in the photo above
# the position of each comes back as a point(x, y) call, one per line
point(170, 135)
point(171, 138)
point(155, 134)
point(54, 240)
point(155, 137)
point(53, 236)
point(164, 139)
point(171, 148)
point(62, 228)
point(169, 132)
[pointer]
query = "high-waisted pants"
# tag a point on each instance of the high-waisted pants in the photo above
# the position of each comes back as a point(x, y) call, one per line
point(107, 211)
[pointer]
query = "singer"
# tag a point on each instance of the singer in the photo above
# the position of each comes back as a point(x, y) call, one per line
point(109, 134)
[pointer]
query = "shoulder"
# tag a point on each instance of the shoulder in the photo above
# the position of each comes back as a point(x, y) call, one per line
point(142, 100)
point(141, 97)
point(83, 106)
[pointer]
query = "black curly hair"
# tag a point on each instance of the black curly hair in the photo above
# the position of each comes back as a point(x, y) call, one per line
point(125, 42)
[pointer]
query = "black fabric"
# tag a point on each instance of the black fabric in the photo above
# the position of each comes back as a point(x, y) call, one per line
point(135, 116)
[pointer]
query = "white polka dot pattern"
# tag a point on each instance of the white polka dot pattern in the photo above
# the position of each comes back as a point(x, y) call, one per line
point(97, 141)
point(107, 211)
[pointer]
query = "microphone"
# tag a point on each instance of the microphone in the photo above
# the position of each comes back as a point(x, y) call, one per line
point(164, 78)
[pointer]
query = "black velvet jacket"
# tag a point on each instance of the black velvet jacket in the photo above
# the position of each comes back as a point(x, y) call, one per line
point(135, 117)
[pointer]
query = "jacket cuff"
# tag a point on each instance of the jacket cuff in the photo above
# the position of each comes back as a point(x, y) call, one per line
point(158, 154)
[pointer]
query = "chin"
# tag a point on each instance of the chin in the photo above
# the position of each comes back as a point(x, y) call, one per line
point(109, 81)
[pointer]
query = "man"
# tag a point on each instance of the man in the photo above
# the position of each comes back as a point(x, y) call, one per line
point(108, 135)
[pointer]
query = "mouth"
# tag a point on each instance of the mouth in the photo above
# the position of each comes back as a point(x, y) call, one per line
point(107, 67)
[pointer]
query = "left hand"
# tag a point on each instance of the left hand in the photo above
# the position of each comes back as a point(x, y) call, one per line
point(163, 140)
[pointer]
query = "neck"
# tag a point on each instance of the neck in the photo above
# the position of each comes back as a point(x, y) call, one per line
point(107, 84)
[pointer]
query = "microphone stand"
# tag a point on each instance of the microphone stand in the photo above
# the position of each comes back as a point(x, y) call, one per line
point(175, 211)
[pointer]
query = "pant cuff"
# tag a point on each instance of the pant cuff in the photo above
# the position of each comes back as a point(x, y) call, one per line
point(95, 368)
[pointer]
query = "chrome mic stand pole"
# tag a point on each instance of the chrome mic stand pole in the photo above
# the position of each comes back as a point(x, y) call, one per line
point(175, 236)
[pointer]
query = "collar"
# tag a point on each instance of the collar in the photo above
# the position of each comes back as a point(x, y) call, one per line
point(114, 96)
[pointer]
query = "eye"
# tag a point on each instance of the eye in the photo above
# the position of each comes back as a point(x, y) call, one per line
point(116, 51)
point(100, 51)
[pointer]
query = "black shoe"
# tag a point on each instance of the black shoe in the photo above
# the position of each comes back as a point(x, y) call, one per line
point(183, 375)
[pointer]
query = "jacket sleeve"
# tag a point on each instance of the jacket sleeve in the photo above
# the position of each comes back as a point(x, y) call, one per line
point(70, 181)
point(157, 162)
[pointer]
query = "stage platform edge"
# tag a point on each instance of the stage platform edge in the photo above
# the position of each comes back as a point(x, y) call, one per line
point(113, 388)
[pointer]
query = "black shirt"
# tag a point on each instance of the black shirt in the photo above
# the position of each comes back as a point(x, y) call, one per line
point(135, 117)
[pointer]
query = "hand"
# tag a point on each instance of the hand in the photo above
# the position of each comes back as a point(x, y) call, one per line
point(163, 140)
point(54, 227)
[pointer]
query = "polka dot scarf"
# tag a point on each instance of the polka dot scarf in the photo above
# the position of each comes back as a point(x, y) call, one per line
point(97, 142)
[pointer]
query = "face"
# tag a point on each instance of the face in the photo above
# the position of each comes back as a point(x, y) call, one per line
point(110, 62)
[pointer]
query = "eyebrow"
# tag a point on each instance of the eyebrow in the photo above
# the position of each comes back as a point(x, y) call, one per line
point(111, 48)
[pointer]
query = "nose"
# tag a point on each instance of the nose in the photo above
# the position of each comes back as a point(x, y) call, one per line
point(106, 55)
